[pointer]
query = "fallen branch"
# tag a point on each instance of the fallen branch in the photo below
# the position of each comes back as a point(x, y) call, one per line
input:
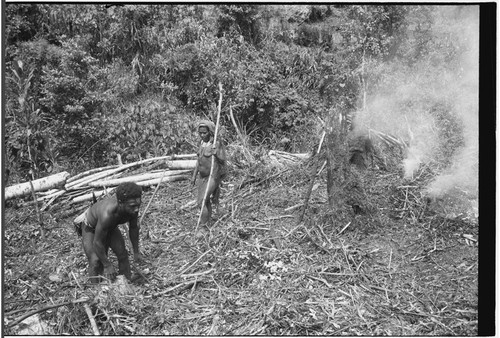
point(293, 207)
point(45, 308)
point(185, 284)
point(92, 320)
point(341, 231)
point(196, 261)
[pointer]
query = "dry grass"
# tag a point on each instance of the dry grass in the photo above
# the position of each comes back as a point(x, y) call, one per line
point(398, 269)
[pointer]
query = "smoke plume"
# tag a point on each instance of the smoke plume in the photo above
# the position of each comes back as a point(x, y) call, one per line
point(407, 101)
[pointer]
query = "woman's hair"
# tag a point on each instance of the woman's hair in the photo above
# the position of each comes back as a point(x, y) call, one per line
point(128, 190)
point(207, 124)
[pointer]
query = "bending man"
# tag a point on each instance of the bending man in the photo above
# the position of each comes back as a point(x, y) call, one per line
point(98, 227)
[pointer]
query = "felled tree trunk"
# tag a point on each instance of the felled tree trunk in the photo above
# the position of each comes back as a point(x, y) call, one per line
point(181, 164)
point(137, 178)
point(45, 183)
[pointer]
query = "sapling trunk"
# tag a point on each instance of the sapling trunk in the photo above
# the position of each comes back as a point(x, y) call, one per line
point(313, 176)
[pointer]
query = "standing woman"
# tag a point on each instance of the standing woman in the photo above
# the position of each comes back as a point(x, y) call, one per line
point(207, 148)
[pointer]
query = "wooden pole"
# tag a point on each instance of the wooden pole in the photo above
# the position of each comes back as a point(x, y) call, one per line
point(213, 158)
point(147, 206)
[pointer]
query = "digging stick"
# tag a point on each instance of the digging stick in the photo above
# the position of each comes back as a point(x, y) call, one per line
point(213, 158)
point(147, 206)
point(309, 190)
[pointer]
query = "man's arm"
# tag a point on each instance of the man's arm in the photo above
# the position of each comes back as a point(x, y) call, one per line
point(133, 232)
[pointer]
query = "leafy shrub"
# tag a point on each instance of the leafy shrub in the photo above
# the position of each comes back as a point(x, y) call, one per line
point(27, 127)
point(151, 129)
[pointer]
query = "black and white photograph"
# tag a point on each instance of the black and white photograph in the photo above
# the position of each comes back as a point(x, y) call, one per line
point(247, 169)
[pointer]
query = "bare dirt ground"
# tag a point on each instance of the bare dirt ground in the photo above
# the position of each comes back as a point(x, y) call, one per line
point(255, 271)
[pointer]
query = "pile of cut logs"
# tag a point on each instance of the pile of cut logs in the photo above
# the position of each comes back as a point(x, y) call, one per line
point(99, 181)
point(64, 188)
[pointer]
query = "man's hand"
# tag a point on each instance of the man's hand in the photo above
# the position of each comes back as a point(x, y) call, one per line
point(139, 258)
point(109, 273)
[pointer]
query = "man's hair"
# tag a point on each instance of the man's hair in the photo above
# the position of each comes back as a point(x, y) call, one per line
point(128, 190)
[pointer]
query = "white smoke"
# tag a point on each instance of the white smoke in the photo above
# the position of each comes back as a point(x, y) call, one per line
point(402, 103)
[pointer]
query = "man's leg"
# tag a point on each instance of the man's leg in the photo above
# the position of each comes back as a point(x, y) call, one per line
point(117, 244)
point(95, 266)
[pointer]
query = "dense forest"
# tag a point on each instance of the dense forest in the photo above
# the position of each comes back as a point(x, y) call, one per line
point(87, 84)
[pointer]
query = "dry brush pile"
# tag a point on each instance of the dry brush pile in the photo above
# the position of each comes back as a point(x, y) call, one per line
point(399, 268)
